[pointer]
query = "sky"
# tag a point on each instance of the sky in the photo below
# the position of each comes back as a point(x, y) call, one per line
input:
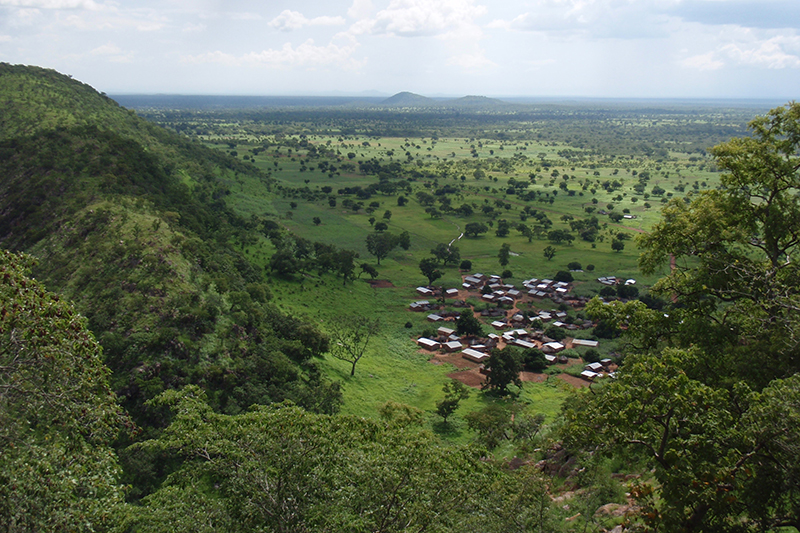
point(537, 48)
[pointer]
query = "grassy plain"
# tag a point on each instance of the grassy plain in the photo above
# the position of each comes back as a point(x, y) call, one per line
point(508, 170)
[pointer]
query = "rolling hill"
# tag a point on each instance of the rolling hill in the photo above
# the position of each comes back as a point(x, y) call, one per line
point(130, 222)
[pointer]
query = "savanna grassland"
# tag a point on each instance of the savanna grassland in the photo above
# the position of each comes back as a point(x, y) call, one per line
point(598, 173)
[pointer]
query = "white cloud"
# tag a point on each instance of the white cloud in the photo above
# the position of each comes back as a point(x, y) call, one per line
point(54, 4)
point(412, 18)
point(112, 53)
point(599, 18)
point(748, 49)
point(769, 53)
point(306, 55)
point(703, 62)
point(5, 38)
point(290, 20)
point(360, 9)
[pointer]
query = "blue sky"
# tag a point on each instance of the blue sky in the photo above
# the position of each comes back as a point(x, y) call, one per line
point(548, 48)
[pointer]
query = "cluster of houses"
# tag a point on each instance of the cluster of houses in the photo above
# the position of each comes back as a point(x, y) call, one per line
point(477, 349)
point(509, 330)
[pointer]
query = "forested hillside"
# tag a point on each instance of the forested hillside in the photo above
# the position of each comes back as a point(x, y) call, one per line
point(130, 222)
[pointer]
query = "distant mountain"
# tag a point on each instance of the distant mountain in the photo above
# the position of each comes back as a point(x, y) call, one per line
point(130, 222)
point(407, 99)
point(475, 102)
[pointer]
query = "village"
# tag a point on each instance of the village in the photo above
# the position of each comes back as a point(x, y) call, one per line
point(516, 321)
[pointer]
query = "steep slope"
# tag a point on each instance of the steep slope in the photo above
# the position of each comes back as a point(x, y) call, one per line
point(130, 222)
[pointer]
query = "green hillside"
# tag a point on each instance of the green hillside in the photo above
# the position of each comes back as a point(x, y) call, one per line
point(130, 221)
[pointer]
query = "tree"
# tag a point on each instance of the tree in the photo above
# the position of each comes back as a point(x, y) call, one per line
point(368, 269)
point(492, 423)
point(381, 226)
point(467, 324)
point(317, 221)
point(473, 229)
point(345, 261)
point(526, 231)
point(380, 244)
point(350, 336)
point(404, 240)
point(387, 215)
point(430, 269)
point(446, 254)
point(504, 254)
point(709, 387)
point(504, 367)
point(549, 252)
point(617, 245)
point(559, 235)
point(563, 275)
point(465, 265)
point(503, 228)
point(280, 468)
point(454, 392)
point(58, 415)
point(534, 360)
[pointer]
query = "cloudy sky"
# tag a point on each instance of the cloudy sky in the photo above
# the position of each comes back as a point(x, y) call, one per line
point(579, 48)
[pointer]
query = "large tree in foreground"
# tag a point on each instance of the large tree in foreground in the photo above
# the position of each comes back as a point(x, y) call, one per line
point(58, 415)
point(710, 390)
point(280, 468)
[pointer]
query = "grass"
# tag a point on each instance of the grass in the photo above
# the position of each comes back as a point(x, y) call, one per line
point(393, 369)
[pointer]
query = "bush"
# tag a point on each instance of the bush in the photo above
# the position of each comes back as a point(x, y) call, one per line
point(555, 333)
point(466, 264)
point(571, 353)
point(591, 356)
point(590, 267)
point(563, 275)
point(574, 265)
point(507, 274)
point(627, 291)
point(409, 325)
point(608, 292)
point(533, 360)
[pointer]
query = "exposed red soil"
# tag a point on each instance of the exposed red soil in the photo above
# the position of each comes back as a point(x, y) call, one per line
point(533, 376)
point(575, 382)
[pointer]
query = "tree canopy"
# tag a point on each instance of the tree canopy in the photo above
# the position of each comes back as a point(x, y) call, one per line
point(58, 415)
point(709, 390)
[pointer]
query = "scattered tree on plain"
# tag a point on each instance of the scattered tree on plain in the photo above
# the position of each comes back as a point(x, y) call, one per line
point(350, 338)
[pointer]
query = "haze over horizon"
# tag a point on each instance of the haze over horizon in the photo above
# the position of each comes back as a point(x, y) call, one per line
point(741, 49)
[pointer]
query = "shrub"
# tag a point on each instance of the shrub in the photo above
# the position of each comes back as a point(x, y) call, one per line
point(563, 275)
point(466, 264)
point(507, 274)
point(574, 265)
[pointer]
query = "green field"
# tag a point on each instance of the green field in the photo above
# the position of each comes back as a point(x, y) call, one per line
point(497, 172)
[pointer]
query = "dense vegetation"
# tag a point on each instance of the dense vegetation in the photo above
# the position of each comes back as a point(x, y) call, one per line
point(130, 222)
point(217, 278)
